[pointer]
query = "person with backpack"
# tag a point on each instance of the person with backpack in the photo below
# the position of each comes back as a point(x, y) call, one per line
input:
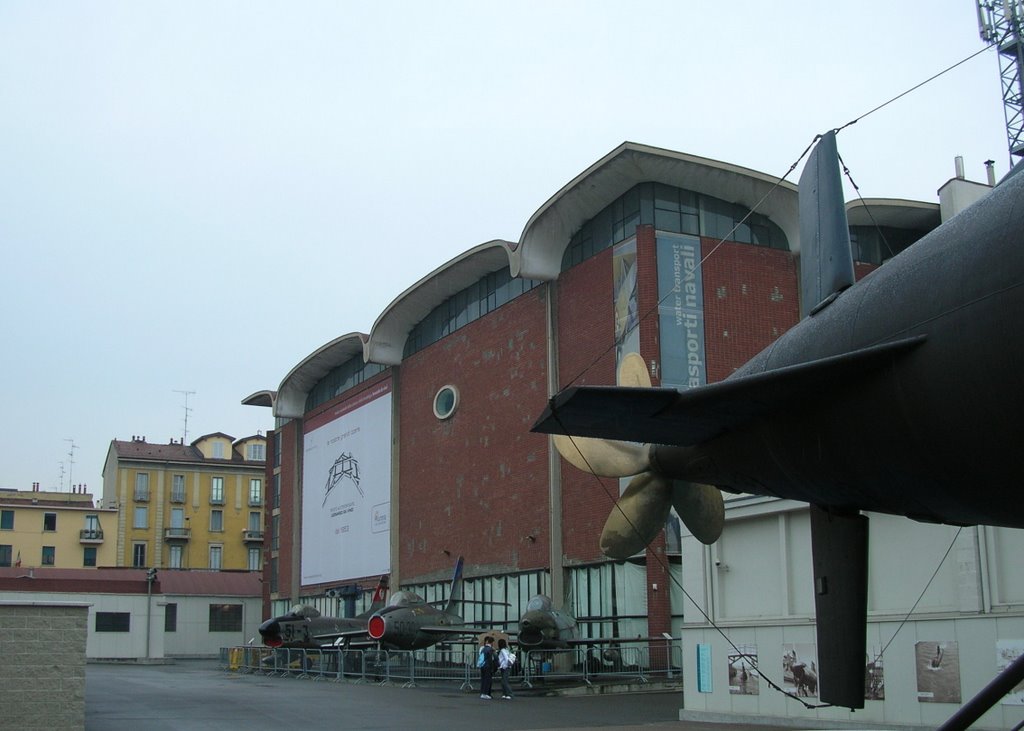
point(486, 661)
point(506, 659)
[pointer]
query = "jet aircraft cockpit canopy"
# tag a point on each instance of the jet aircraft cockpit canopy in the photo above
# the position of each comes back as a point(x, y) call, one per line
point(304, 611)
point(404, 599)
point(540, 603)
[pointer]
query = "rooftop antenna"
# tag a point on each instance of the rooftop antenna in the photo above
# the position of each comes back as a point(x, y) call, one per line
point(1001, 22)
point(186, 394)
point(71, 463)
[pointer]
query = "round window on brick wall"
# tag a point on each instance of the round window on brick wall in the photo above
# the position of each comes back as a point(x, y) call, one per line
point(446, 401)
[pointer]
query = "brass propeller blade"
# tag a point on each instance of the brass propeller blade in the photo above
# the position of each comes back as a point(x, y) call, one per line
point(603, 457)
point(701, 508)
point(633, 371)
point(637, 516)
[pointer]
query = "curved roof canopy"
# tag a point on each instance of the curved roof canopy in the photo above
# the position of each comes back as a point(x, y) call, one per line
point(386, 342)
point(547, 233)
point(291, 395)
point(260, 398)
point(894, 212)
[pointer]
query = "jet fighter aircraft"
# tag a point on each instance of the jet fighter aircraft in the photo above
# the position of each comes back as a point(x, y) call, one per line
point(410, 623)
point(899, 394)
point(304, 627)
point(544, 627)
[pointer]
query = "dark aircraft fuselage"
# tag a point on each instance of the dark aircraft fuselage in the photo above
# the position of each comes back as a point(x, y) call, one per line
point(406, 623)
point(932, 432)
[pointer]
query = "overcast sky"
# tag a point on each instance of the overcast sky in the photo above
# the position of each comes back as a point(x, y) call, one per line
point(194, 196)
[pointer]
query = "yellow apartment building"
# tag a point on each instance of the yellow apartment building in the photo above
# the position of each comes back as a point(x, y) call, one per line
point(188, 506)
point(59, 529)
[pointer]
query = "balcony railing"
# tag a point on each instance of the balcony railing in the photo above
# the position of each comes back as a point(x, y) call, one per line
point(255, 501)
point(90, 535)
point(141, 495)
point(177, 534)
point(252, 536)
point(177, 496)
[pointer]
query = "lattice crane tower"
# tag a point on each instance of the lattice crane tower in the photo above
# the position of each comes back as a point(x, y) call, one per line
point(1000, 22)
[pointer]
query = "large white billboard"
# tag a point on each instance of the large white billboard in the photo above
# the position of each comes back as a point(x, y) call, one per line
point(346, 490)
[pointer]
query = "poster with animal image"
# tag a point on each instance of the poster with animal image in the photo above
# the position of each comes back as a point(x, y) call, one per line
point(1006, 652)
point(938, 672)
point(800, 669)
point(743, 675)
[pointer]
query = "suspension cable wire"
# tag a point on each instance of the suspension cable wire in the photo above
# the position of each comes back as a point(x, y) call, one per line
point(856, 188)
point(837, 130)
point(923, 591)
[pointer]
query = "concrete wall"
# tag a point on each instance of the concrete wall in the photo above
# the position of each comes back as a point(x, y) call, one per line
point(43, 668)
point(192, 637)
point(756, 583)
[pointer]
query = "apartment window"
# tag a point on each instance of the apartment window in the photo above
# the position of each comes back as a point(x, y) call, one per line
point(6, 520)
point(217, 491)
point(174, 557)
point(139, 555)
point(92, 527)
point(277, 449)
point(177, 517)
point(142, 487)
point(141, 519)
point(49, 522)
point(255, 521)
point(89, 556)
point(216, 520)
point(215, 558)
point(49, 555)
point(275, 533)
point(171, 618)
point(113, 621)
point(5, 555)
point(225, 618)
point(277, 491)
point(256, 452)
point(273, 575)
point(255, 492)
point(218, 450)
point(254, 559)
point(178, 488)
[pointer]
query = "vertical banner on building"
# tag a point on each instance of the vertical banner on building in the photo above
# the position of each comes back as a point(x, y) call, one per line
point(704, 676)
point(346, 490)
point(627, 309)
point(681, 311)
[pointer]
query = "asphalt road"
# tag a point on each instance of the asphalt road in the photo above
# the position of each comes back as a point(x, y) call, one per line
point(195, 695)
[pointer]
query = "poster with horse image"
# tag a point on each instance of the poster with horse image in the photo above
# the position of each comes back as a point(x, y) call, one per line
point(800, 669)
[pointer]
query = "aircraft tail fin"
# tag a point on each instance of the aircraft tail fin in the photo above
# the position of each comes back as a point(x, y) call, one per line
point(826, 262)
point(456, 592)
point(380, 594)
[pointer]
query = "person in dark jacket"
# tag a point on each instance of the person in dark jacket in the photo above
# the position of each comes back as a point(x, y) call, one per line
point(487, 667)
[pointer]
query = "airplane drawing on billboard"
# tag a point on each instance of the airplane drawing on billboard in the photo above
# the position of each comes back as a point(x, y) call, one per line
point(344, 466)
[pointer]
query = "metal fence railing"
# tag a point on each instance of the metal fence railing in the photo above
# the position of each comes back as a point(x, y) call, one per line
point(631, 661)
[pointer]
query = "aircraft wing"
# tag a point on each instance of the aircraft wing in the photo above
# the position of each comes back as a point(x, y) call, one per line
point(455, 631)
point(349, 636)
point(685, 418)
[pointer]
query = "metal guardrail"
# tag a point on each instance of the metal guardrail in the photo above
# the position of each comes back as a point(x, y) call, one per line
point(630, 662)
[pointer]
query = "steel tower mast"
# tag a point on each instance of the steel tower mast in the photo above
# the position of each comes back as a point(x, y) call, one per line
point(1000, 22)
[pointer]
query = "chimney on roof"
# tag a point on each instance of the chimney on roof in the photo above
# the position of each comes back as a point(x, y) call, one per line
point(958, 163)
point(990, 170)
